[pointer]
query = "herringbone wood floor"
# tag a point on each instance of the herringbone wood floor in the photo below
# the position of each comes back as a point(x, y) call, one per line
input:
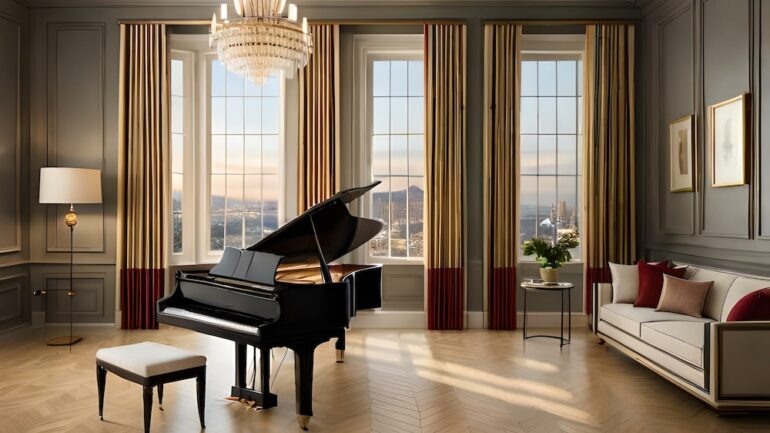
point(392, 381)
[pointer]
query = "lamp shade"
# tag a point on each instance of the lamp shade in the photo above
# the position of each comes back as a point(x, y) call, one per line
point(67, 185)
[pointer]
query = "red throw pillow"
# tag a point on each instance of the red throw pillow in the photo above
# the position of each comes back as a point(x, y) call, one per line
point(651, 282)
point(753, 306)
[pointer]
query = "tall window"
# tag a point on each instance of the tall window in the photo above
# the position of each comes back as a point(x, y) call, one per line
point(226, 158)
point(394, 99)
point(551, 145)
point(245, 159)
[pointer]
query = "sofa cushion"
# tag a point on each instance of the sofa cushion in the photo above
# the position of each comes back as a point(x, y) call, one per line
point(754, 306)
point(678, 338)
point(149, 359)
point(629, 319)
point(741, 287)
point(625, 283)
point(716, 294)
point(683, 296)
point(651, 282)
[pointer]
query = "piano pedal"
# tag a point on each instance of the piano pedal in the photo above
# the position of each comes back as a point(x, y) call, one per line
point(231, 398)
point(340, 356)
point(303, 421)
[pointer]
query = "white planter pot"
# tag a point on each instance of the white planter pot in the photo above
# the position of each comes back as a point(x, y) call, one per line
point(549, 275)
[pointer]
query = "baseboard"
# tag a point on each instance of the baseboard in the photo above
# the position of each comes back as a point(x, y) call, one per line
point(474, 320)
point(384, 319)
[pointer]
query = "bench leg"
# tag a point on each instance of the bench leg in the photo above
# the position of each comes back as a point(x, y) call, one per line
point(160, 396)
point(147, 408)
point(200, 386)
point(101, 382)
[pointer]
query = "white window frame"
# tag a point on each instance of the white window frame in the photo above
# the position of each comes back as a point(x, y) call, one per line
point(196, 206)
point(368, 48)
point(555, 48)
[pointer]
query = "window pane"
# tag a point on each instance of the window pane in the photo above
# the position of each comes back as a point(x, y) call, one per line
point(381, 78)
point(218, 154)
point(567, 154)
point(527, 229)
point(177, 227)
point(217, 78)
point(398, 78)
point(416, 155)
point(581, 145)
point(217, 232)
point(234, 230)
point(416, 78)
point(253, 228)
point(580, 78)
point(528, 119)
point(177, 184)
point(378, 246)
point(546, 78)
point(177, 77)
point(580, 115)
point(546, 116)
point(251, 89)
point(234, 84)
point(234, 194)
point(566, 210)
point(252, 154)
point(252, 110)
point(566, 77)
point(398, 116)
point(398, 155)
point(272, 193)
point(547, 154)
point(380, 155)
point(528, 78)
point(234, 154)
point(415, 216)
point(218, 113)
point(271, 154)
point(567, 117)
point(218, 194)
point(546, 201)
point(272, 87)
point(381, 116)
point(252, 199)
point(528, 158)
point(528, 200)
point(416, 115)
point(398, 212)
point(177, 114)
point(234, 115)
point(271, 112)
point(177, 153)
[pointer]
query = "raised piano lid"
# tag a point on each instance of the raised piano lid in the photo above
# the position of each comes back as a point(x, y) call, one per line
point(338, 231)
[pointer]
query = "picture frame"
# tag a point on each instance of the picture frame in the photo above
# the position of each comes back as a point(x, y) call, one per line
point(682, 154)
point(728, 141)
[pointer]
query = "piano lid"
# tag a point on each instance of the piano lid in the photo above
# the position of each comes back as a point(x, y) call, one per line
point(338, 231)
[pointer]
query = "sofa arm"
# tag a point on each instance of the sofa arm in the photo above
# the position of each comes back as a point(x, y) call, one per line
point(739, 356)
point(605, 293)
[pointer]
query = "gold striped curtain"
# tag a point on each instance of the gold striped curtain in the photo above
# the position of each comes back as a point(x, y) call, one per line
point(610, 191)
point(319, 128)
point(143, 145)
point(502, 47)
point(445, 136)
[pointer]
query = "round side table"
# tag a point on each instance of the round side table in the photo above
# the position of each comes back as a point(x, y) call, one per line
point(551, 287)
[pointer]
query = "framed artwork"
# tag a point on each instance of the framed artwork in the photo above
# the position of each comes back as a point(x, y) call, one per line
point(728, 139)
point(681, 151)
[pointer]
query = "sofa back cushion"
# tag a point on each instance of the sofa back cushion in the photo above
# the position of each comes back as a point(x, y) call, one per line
point(651, 282)
point(741, 287)
point(754, 306)
point(715, 298)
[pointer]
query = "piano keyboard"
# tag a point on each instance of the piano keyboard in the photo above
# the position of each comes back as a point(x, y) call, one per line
point(178, 312)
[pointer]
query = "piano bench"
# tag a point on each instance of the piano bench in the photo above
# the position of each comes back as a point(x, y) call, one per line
point(150, 365)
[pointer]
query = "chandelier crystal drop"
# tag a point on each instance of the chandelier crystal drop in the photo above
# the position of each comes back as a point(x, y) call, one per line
point(261, 41)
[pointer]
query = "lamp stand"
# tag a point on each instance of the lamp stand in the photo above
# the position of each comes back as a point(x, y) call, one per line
point(71, 219)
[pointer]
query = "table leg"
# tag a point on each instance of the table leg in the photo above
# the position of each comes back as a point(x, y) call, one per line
point(569, 318)
point(561, 318)
point(525, 314)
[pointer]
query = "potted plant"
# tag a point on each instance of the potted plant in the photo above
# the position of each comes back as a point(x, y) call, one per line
point(551, 255)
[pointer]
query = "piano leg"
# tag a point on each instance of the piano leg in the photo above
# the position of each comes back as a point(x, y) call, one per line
point(340, 346)
point(240, 365)
point(263, 398)
point(303, 376)
point(264, 368)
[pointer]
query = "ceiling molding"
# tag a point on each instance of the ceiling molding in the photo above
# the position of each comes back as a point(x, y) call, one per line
point(631, 4)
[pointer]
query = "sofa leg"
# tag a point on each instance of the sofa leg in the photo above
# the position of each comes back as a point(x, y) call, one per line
point(601, 342)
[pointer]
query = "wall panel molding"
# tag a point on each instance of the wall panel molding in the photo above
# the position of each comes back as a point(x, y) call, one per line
point(76, 124)
point(88, 305)
point(14, 310)
point(10, 133)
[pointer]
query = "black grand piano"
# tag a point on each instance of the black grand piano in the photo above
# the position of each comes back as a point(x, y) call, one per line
point(282, 292)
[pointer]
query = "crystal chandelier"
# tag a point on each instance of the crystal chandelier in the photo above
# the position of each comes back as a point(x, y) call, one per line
point(261, 41)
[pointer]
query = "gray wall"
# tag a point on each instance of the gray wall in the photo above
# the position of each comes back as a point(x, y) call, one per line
point(14, 148)
point(699, 53)
point(70, 97)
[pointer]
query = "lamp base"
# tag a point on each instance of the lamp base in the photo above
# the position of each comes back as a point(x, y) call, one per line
point(63, 341)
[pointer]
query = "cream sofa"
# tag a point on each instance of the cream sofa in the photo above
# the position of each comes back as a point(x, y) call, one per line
point(725, 364)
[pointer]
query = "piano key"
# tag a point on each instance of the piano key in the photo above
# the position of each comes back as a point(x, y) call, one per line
point(178, 312)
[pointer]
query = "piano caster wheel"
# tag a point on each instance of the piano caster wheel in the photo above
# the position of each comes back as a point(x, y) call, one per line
point(303, 421)
point(340, 356)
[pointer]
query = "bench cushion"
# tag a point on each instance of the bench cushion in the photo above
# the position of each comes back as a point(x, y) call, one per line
point(628, 318)
point(150, 359)
point(681, 339)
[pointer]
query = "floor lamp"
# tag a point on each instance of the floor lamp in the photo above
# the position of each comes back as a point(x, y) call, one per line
point(66, 185)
